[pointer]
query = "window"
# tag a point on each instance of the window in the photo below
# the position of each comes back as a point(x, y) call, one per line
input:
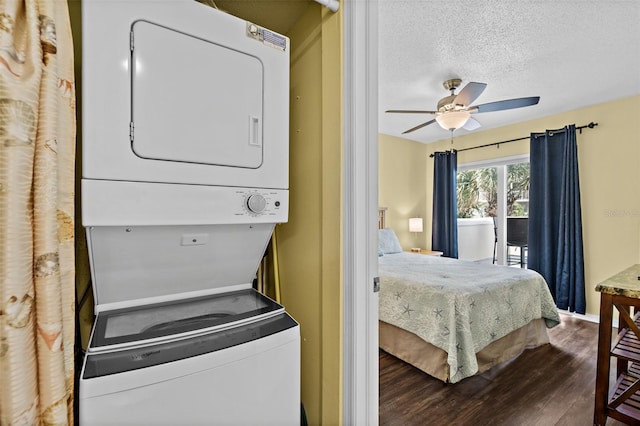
point(477, 191)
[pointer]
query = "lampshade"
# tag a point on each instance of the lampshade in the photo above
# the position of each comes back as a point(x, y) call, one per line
point(453, 120)
point(415, 224)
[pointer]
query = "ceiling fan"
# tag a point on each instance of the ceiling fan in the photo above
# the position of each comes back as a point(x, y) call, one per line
point(454, 111)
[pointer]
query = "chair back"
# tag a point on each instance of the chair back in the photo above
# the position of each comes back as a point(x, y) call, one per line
point(517, 231)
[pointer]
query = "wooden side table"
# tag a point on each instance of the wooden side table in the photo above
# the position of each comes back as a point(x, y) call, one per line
point(621, 291)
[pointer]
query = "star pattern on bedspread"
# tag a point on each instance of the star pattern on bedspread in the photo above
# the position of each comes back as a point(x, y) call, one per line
point(438, 312)
point(397, 295)
point(407, 310)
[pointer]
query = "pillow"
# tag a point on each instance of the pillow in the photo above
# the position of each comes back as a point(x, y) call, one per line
point(388, 241)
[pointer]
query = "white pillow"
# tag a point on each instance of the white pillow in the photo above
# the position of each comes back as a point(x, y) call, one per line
point(388, 241)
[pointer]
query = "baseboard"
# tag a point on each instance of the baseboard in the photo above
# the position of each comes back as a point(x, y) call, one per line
point(588, 317)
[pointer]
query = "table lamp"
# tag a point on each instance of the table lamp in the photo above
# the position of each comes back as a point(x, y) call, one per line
point(415, 226)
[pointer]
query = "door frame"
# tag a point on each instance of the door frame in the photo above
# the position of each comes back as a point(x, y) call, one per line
point(360, 212)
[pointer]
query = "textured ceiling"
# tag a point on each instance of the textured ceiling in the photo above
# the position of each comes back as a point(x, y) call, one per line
point(570, 53)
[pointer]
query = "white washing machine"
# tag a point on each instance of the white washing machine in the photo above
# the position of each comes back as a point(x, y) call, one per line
point(226, 359)
point(185, 174)
point(178, 338)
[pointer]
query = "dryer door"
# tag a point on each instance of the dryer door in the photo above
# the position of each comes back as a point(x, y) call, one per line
point(193, 100)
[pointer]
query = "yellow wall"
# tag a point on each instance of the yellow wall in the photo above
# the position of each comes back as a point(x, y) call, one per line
point(608, 158)
point(310, 243)
point(402, 187)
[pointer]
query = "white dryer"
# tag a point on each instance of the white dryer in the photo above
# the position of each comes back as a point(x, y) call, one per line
point(176, 92)
point(185, 174)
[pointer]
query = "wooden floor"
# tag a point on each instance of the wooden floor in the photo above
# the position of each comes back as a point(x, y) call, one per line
point(550, 385)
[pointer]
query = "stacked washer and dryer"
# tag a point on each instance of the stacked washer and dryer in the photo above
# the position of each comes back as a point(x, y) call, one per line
point(185, 174)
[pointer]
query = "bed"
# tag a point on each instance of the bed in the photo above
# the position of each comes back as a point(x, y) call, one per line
point(453, 319)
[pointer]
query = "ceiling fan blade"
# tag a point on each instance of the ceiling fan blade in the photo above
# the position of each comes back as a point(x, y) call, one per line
point(419, 126)
point(471, 124)
point(411, 111)
point(469, 93)
point(506, 104)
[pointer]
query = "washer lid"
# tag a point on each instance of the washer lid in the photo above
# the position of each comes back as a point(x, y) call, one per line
point(137, 265)
point(194, 100)
point(113, 362)
point(178, 319)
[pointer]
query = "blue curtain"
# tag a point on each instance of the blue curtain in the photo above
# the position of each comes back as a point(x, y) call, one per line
point(445, 209)
point(555, 219)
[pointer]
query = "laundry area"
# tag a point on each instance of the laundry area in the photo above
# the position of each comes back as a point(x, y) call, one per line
point(185, 174)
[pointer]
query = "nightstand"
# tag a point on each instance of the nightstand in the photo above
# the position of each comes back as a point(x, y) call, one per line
point(426, 252)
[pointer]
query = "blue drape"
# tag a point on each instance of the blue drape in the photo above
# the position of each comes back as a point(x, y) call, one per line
point(555, 219)
point(445, 210)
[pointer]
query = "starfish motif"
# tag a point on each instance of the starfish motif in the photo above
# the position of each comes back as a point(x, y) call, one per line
point(493, 335)
point(473, 303)
point(407, 310)
point(510, 304)
point(438, 313)
point(497, 318)
point(398, 295)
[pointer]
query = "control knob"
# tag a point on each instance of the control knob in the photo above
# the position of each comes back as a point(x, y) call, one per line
point(256, 203)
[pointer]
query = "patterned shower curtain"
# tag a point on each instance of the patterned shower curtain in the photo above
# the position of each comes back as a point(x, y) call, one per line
point(37, 157)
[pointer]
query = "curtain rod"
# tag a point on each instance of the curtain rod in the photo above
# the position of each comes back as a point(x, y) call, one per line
point(590, 126)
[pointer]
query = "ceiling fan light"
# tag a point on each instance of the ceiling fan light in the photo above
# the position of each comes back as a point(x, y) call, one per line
point(453, 120)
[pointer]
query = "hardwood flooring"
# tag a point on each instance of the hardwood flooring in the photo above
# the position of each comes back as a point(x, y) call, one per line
point(550, 385)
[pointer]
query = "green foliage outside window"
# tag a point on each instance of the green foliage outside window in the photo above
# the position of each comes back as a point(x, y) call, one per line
point(467, 193)
point(477, 191)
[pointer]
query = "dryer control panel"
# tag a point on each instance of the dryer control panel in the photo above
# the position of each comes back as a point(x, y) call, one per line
point(260, 203)
point(115, 203)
